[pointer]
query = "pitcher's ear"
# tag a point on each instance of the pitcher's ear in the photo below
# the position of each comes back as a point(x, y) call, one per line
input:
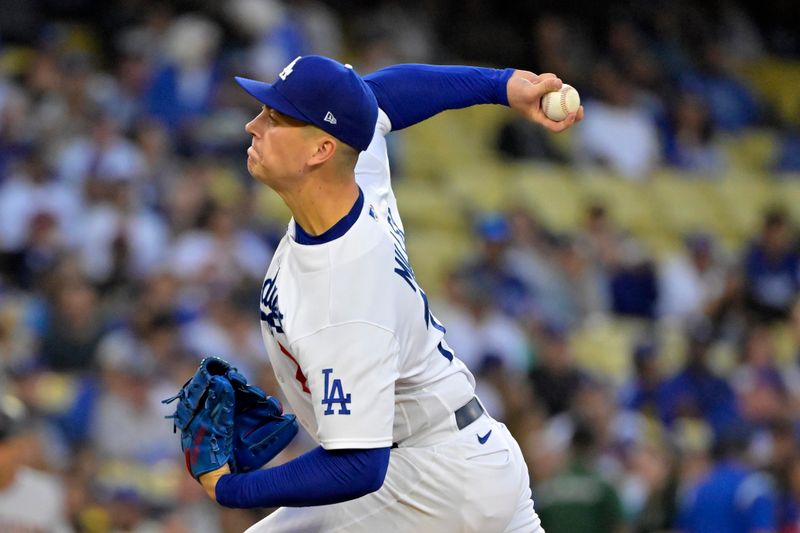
point(325, 149)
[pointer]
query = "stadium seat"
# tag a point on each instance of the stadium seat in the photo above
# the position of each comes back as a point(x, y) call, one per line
point(788, 190)
point(743, 201)
point(776, 80)
point(670, 338)
point(604, 347)
point(14, 60)
point(270, 206)
point(424, 206)
point(629, 203)
point(435, 253)
point(485, 186)
point(428, 148)
point(752, 151)
point(686, 205)
point(452, 141)
point(551, 193)
point(785, 343)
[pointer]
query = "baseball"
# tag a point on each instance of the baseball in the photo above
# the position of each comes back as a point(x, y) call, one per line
point(558, 104)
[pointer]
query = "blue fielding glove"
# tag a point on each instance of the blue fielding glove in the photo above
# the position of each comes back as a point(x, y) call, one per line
point(205, 417)
point(260, 430)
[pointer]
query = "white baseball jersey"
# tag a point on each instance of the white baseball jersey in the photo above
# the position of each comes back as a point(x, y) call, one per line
point(356, 349)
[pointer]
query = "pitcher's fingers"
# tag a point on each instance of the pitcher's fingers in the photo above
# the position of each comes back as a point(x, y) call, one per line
point(558, 127)
point(549, 85)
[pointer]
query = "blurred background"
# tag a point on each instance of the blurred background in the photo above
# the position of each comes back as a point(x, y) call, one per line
point(626, 293)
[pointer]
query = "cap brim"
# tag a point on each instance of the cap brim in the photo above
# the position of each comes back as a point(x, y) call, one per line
point(269, 96)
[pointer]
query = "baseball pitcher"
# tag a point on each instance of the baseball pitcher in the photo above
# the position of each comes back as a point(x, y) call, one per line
point(404, 443)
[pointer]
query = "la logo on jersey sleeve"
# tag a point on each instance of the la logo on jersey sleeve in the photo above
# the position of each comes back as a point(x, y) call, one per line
point(334, 394)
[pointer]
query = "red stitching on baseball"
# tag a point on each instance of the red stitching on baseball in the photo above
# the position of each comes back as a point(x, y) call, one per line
point(564, 102)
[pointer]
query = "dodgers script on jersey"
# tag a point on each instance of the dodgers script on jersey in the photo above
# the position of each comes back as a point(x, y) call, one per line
point(333, 314)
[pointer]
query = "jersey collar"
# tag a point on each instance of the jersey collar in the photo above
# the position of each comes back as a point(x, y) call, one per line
point(301, 236)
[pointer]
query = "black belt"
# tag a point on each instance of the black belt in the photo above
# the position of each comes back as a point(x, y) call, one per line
point(466, 414)
point(469, 413)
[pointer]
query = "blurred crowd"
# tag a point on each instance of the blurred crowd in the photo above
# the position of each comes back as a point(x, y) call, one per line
point(657, 442)
point(663, 92)
point(132, 243)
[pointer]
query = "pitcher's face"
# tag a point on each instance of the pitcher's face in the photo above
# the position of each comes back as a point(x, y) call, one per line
point(279, 148)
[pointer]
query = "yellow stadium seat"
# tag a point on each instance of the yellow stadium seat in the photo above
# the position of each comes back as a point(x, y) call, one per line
point(672, 344)
point(428, 148)
point(670, 338)
point(628, 202)
point(743, 201)
point(723, 358)
point(604, 347)
point(777, 80)
point(785, 344)
point(480, 187)
point(687, 205)
point(14, 60)
point(270, 206)
point(482, 122)
point(435, 253)
point(752, 151)
point(551, 194)
point(451, 141)
point(788, 192)
point(226, 188)
point(660, 243)
point(423, 205)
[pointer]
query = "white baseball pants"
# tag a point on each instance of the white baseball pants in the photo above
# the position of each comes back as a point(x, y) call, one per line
point(445, 481)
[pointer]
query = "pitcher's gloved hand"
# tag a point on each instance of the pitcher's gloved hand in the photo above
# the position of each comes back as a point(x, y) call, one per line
point(223, 420)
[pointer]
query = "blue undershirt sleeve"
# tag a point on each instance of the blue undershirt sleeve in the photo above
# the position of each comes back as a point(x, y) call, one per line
point(411, 93)
point(318, 477)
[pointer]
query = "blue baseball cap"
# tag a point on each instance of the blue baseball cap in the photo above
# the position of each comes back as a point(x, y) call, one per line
point(323, 92)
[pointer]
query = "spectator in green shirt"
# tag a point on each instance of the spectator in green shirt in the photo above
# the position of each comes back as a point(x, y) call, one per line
point(577, 498)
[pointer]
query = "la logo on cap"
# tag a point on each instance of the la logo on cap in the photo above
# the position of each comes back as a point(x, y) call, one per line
point(330, 118)
point(289, 69)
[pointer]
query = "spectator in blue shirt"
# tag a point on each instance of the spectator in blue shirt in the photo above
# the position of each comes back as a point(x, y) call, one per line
point(789, 508)
point(788, 158)
point(690, 134)
point(695, 391)
point(643, 392)
point(633, 285)
point(730, 102)
point(183, 87)
point(491, 273)
point(732, 497)
point(771, 266)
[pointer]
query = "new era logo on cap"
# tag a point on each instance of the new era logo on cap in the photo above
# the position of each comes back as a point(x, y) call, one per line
point(325, 93)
